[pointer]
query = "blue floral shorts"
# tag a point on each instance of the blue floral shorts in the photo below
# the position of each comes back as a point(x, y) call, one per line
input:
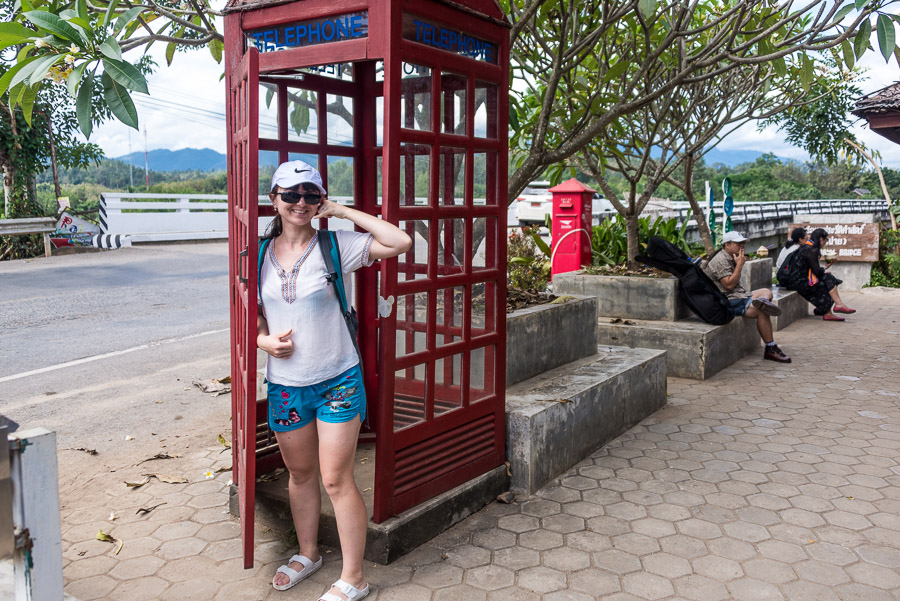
point(336, 400)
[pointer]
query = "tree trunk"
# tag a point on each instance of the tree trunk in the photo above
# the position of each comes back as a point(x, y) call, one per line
point(9, 176)
point(697, 211)
point(631, 230)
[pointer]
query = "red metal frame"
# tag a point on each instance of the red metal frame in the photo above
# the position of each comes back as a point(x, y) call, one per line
point(436, 401)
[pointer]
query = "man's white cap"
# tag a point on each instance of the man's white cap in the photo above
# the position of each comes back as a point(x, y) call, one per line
point(733, 237)
point(293, 173)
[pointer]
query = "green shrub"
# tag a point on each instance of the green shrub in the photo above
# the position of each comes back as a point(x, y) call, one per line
point(886, 272)
point(528, 269)
point(609, 240)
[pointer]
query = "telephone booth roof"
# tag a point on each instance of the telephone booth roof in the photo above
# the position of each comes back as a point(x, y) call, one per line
point(488, 9)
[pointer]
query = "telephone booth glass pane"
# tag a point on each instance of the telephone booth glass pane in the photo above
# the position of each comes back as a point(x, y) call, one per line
point(453, 103)
point(448, 384)
point(413, 264)
point(303, 115)
point(484, 180)
point(481, 373)
point(412, 313)
point(268, 161)
point(268, 111)
point(453, 176)
point(379, 116)
point(342, 71)
point(451, 247)
point(340, 120)
point(340, 180)
point(486, 109)
point(309, 159)
point(450, 303)
point(409, 397)
point(484, 244)
point(415, 174)
point(415, 101)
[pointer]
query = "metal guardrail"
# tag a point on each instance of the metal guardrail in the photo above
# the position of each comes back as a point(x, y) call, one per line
point(760, 211)
point(30, 225)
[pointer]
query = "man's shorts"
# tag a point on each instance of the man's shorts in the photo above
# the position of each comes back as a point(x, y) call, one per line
point(336, 400)
point(740, 305)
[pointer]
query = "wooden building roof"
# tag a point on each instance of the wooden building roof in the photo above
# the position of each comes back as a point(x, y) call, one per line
point(882, 110)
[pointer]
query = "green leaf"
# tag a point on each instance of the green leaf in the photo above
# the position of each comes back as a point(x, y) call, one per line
point(125, 74)
point(54, 25)
point(26, 71)
point(41, 66)
point(74, 79)
point(861, 42)
point(110, 11)
point(15, 32)
point(119, 102)
point(806, 72)
point(616, 70)
point(886, 36)
point(81, 6)
point(126, 18)
point(7, 77)
point(780, 66)
point(27, 102)
point(849, 57)
point(83, 23)
point(860, 3)
point(170, 52)
point(216, 47)
point(839, 15)
point(83, 105)
point(647, 8)
point(110, 49)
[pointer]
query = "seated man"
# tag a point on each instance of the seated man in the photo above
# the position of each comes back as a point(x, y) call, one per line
point(724, 268)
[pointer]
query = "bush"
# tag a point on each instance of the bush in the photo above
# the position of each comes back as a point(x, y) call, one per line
point(527, 268)
point(609, 240)
point(886, 272)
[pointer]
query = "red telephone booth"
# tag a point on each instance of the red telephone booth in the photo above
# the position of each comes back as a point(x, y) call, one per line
point(402, 106)
point(571, 235)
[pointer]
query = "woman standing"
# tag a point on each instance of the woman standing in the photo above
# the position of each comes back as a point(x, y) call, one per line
point(803, 273)
point(315, 387)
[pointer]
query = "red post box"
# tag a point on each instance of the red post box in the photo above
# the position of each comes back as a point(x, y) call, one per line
point(571, 235)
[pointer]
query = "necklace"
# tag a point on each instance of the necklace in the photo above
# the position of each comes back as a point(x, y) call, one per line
point(289, 279)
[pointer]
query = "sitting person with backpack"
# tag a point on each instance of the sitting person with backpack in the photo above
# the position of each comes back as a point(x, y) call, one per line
point(724, 268)
point(801, 271)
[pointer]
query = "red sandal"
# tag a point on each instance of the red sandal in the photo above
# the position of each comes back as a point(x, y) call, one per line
point(844, 310)
point(832, 318)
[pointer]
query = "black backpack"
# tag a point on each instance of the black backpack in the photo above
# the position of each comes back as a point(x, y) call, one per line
point(698, 292)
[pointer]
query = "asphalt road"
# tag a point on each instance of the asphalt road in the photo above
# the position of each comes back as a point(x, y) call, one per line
point(103, 345)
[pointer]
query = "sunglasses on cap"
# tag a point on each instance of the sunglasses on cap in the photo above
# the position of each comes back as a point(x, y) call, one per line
point(292, 197)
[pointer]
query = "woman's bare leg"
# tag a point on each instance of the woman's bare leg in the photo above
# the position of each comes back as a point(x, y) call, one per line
point(300, 449)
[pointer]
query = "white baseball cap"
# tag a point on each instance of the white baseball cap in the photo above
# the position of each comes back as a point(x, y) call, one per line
point(294, 173)
point(733, 237)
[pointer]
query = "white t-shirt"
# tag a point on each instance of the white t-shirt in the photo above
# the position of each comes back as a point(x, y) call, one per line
point(300, 298)
point(784, 254)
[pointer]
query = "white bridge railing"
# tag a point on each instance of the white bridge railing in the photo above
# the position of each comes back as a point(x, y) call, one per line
point(170, 217)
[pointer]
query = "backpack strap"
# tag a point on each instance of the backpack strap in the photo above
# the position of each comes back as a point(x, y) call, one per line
point(259, 264)
point(331, 254)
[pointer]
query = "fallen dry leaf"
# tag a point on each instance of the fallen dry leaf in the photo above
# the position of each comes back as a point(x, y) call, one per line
point(159, 456)
point(271, 475)
point(214, 387)
point(137, 483)
point(101, 535)
point(225, 443)
point(168, 479)
point(146, 510)
point(88, 451)
point(226, 468)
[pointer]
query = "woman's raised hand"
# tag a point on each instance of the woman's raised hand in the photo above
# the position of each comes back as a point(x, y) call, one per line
point(278, 345)
point(331, 209)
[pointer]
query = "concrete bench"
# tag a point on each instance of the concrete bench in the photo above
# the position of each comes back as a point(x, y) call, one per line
point(694, 349)
point(792, 305)
point(557, 418)
point(31, 225)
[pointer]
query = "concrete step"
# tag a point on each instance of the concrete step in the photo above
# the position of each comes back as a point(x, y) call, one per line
point(557, 418)
point(792, 305)
point(694, 349)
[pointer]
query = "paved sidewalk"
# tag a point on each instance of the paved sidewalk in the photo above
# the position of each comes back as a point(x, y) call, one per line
point(766, 482)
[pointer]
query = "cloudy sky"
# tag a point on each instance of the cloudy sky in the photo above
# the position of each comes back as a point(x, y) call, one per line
point(186, 109)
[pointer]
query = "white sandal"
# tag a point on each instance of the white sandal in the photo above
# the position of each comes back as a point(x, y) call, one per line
point(309, 567)
point(353, 593)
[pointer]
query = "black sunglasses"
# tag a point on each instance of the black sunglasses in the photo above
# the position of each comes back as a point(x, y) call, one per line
point(295, 197)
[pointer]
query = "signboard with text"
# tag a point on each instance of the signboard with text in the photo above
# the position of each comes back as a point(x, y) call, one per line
point(447, 38)
point(851, 241)
point(350, 26)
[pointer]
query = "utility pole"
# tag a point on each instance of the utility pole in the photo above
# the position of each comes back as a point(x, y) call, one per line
point(146, 160)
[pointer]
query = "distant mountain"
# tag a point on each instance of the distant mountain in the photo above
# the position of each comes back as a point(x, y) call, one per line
point(204, 159)
point(732, 158)
point(186, 159)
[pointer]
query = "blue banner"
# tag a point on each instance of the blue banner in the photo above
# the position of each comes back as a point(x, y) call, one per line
point(351, 26)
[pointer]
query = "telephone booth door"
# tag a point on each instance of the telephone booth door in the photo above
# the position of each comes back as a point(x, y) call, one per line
point(402, 128)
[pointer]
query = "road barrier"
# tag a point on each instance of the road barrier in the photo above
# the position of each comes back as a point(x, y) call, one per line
point(31, 225)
